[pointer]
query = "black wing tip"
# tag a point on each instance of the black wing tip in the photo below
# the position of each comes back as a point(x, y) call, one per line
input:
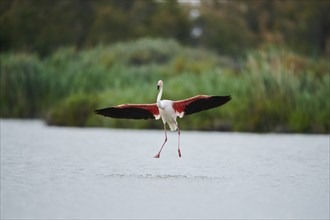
point(98, 111)
point(104, 111)
point(224, 99)
point(125, 113)
point(208, 102)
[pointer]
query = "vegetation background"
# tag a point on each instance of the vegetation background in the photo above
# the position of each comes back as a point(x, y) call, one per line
point(62, 59)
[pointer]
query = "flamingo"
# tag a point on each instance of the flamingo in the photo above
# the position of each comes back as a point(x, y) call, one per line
point(168, 110)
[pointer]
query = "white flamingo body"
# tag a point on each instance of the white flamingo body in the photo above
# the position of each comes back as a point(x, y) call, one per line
point(167, 113)
point(168, 110)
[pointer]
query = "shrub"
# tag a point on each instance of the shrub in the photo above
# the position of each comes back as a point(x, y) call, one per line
point(72, 111)
point(24, 87)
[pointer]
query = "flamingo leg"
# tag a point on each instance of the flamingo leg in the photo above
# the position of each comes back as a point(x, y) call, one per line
point(158, 155)
point(178, 140)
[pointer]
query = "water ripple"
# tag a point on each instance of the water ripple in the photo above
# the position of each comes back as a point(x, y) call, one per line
point(166, 176)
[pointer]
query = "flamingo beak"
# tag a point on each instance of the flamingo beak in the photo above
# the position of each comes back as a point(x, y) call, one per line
point(157, 87)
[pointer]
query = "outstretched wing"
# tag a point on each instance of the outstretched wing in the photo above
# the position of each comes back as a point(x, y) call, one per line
point(199, 103)
point(131, 111)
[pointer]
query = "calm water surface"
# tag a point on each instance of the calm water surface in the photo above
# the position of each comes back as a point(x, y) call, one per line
point(55, 172)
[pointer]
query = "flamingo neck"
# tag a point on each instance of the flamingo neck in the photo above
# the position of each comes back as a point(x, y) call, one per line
point(159, 97)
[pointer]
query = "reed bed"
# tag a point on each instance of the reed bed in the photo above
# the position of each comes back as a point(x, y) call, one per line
point(272, 89)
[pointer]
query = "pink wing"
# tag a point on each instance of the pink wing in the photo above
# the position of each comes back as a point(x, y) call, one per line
point(199, 103)
point(131, 111)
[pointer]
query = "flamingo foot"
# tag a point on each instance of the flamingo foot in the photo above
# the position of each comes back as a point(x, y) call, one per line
point(179, 152)
point(157, 156)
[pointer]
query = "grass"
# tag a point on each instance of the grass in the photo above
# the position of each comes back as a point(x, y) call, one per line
point(273, 90)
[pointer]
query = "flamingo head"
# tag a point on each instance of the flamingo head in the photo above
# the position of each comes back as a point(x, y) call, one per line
point(159, 84)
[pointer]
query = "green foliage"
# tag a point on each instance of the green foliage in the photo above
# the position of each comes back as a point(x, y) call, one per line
point(23, 86)
point(227, 27)
point(142, 52)
point(285, 97)
point(38, 26)
point(72, 111)
point(234, 27)
point(273, 90)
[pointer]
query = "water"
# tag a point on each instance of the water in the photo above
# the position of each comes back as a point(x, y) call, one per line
point(54, 172)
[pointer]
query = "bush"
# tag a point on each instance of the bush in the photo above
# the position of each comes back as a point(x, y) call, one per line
point(24, 86)
point(72, 111)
